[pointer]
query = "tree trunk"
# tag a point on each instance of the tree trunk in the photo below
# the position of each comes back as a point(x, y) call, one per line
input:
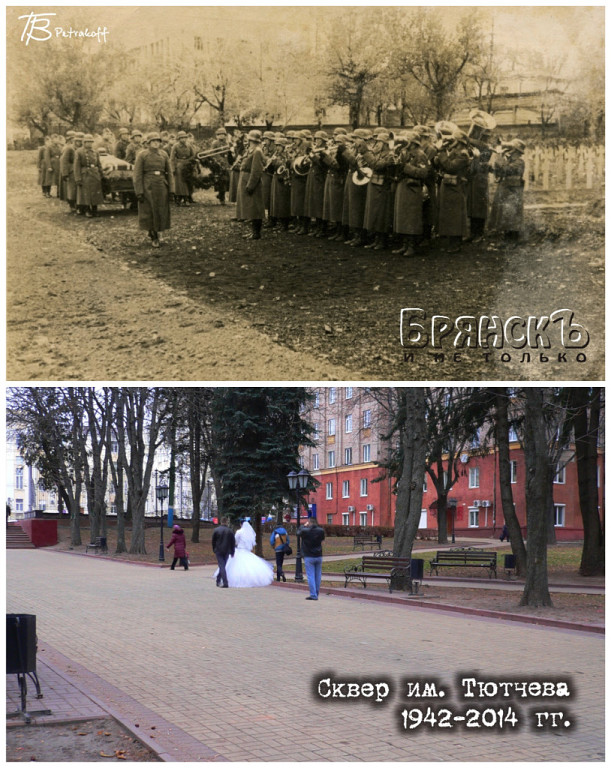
point(409, 486)
point(586, 450)
point(509, 513)
point(538, 470)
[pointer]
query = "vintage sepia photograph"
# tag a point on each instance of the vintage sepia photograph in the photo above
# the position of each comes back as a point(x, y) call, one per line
point(305, 193)
point(286, 574)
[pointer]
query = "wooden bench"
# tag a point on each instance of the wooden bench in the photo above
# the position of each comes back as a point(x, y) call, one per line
point(366, 540)
point(377, 567)
point(467, 557)
point(99, 545)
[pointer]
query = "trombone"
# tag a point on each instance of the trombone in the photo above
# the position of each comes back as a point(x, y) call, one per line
point(212, 152)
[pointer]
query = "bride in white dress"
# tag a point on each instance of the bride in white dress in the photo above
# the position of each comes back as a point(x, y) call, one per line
point(245, 569)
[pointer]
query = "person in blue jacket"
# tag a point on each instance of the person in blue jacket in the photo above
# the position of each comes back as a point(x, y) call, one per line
point(279, 537)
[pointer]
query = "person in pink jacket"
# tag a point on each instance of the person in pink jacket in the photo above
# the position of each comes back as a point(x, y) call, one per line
point(180, 544)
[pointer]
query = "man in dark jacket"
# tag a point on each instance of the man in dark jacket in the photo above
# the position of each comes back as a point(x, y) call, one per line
point(312, 537)
point(223, 546)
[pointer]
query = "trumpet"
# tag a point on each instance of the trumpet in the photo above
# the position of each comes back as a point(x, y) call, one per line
point(213, 152)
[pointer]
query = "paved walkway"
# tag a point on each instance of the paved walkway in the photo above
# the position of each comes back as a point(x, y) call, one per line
point(232, 674)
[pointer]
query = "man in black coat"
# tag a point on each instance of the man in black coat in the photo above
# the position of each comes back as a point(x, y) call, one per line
point(223, 546)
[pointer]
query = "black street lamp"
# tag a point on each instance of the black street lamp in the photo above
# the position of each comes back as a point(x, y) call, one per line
point(298, 481)
point(162, 491)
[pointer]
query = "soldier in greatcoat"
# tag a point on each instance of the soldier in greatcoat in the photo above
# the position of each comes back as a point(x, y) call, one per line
point(453, 162)
point(355, 195)
point(478, 188)
point(221, 184)
point(378, 206)
point(267, 147)
point(88, 177)
point(250, 191)
point(121, 145)
point(53, 151)
point(134, 146)
point(333, 200)
point(429, 206)
point(66, 171)
point(239, 145)
point(153, 185)
point(413, 170)
point(280, 198)
point(315, 185)
point(181, 156)
point(507, 214)
point(301, 149)
point(41, 166)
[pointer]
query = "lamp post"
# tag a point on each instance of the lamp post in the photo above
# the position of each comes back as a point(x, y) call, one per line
point(162, 491)
point(298, 481)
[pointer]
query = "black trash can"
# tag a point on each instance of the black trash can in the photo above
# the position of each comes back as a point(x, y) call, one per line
point(417, 569)
point(20, 643)
point(510, 564)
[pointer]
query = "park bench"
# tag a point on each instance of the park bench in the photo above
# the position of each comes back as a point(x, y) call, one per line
point(379, 568)
point(363, 540)
point(467, 557)
point(99, 545)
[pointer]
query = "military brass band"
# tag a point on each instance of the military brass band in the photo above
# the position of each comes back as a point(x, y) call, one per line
point(362, 187)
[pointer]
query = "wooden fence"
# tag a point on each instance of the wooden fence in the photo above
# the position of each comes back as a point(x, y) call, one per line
point(572, 167)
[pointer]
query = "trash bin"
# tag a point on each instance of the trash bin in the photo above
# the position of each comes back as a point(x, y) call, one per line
point(417, 569)
point(20, 643)
point(510, 564)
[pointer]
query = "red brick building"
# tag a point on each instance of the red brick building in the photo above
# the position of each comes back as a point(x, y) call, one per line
point(349, 422)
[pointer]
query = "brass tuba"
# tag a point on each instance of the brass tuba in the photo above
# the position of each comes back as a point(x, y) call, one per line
point(482, 125)
point(302, 165)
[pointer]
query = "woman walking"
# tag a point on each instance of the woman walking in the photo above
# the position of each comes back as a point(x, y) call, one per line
point(180, 547)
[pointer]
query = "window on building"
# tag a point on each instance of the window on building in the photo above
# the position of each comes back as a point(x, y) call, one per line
point(345, 489)
point(513, 435)
point(315, 464)
point(348, 393)
point(19, 478)
point(559, 510)
point(114, 446)
point(560, 477)
point(345, 518)
point(513, 468)
point(349, 423)
point(332, 394)
point(329, 490)
point(473, 517)
point(331, 430)
point(113, 509)
point(316, 427)
point(363, 517)
point(366, 419)
point(367, 452)
point(330, 459)
point(363, 486)
point(317, 399)
point(18, 505)
point(329, 519)
point(43, 505)
point(348, 456)
point(474, 442)
point(473, 477)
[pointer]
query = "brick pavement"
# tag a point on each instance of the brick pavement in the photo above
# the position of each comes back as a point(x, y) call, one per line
point(234, 669)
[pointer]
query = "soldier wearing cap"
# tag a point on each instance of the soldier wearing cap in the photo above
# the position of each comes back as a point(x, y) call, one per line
point(453, 163)
point(250, 192)
point(52, 153)
point(378, 207)
point(41, 166)
point(333, 198)
point(181, 159)
point(239, 147)
point(280, 197)
point(429, 206)
point(154, 185)
point(507, 212)
point(413, 170)
point(315, 185)
point(66, 171)
point(355, 195)
point(134, 146)
point(267, 147)
point(121, 145)
point(301, 150)
point(88, 177)
point(224, 161)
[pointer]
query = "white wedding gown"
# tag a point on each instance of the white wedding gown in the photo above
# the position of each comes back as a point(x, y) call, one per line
point(245, 569)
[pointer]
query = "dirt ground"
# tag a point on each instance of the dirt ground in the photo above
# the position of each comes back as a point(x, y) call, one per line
point(89, 299)
point(90, 741)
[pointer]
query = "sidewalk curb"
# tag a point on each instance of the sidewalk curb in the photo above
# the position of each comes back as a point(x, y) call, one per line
point(415, 602)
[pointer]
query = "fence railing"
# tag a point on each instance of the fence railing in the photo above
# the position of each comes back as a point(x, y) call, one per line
point(581, 166)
